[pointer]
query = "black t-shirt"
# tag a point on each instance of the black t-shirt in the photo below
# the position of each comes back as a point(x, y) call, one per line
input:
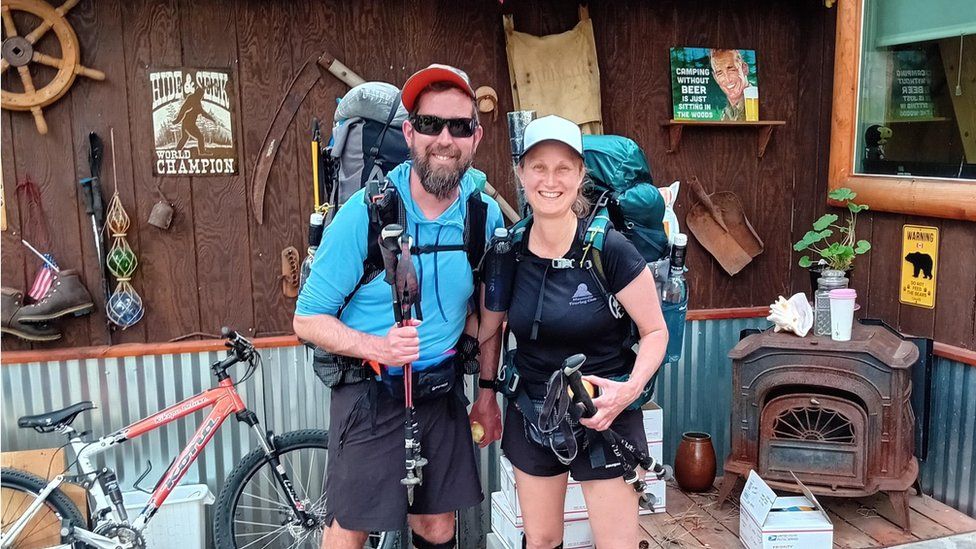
point(576, 316)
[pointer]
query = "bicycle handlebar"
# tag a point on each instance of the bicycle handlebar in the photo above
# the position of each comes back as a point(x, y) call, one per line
point(240, 348)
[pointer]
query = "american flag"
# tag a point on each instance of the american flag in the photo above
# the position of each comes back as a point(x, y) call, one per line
point(43, 280)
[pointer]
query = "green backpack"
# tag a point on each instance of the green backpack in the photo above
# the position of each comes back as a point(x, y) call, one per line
point(623, 187)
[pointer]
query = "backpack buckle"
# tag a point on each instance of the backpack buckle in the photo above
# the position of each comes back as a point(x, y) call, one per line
point(563, 263)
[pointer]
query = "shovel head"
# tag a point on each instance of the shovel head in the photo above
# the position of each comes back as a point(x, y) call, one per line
point(733, 248)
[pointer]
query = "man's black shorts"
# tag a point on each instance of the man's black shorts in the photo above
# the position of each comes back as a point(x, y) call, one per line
point(366, 459)
point(535, 460)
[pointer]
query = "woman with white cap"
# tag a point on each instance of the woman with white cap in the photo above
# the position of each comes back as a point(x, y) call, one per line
point(557, 309)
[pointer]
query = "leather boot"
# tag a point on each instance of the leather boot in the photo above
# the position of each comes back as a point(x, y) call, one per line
point(67, 295)
point(11, 304)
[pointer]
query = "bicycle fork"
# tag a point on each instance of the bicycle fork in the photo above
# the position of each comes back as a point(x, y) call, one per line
point(266, 440)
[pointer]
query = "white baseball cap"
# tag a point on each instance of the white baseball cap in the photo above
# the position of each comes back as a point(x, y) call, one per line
point(552, 128)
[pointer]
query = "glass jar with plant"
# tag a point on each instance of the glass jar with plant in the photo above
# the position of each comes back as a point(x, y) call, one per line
point(836, 254)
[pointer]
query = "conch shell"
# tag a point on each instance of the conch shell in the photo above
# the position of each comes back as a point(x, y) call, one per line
point(792, 315)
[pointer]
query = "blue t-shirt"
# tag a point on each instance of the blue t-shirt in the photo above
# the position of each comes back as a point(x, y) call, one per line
point(445, 277)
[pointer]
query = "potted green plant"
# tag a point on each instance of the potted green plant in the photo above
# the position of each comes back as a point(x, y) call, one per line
point(836, 245)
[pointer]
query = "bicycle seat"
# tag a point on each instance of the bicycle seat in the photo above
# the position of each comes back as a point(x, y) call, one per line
point(56, 418)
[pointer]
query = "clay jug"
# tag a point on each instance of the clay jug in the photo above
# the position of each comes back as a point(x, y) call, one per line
point(694, 463)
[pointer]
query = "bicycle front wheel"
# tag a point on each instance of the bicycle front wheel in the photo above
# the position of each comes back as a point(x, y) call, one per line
point(252, 511)
point(18, 490)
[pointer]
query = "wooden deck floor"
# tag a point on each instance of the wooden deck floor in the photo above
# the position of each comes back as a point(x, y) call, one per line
point(693, 520)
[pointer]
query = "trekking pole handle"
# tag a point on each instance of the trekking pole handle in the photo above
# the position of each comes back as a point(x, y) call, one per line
point(98, 206)
point(571, 369)
point(391, 236)
point(389, 247)
point(86, 187)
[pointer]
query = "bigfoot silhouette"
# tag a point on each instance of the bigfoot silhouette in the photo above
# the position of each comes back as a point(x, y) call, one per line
point(192, 109)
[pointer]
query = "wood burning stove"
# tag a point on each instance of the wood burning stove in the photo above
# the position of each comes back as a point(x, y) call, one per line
point(837, 414)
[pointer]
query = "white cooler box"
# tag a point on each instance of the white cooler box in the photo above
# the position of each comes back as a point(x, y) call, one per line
point(180, 522)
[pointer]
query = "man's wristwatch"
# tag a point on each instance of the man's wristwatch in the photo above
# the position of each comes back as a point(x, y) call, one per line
point(486, 384)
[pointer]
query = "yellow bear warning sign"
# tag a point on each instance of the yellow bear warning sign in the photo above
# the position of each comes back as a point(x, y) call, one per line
point(920, 253)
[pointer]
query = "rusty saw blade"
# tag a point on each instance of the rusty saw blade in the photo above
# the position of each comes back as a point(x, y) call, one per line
point(303, 82)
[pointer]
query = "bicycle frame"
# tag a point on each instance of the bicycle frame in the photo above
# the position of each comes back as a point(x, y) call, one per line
point(225, 401)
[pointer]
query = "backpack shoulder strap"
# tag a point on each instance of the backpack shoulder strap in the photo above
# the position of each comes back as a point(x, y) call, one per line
point(385, 207)
point(594, 238)
point(475, 225)
point(518, 231)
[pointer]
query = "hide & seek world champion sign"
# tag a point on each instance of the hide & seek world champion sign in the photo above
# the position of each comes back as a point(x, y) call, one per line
point(713, 84)
point(192, 122)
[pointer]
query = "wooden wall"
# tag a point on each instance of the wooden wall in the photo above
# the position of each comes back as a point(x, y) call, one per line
point(216, 266)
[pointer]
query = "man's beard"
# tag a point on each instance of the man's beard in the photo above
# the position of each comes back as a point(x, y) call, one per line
point(441, 181)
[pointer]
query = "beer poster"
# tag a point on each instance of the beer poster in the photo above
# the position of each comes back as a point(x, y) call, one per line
point(193, 130)
point(714, 84)
point(911, 86)
point(920, 259)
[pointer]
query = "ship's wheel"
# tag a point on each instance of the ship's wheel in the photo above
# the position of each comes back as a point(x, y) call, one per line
point(20, 51)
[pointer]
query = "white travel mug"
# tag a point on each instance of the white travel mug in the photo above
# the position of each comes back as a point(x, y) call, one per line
point(842, 313)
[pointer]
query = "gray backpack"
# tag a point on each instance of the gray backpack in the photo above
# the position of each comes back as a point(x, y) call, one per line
point(367, 141)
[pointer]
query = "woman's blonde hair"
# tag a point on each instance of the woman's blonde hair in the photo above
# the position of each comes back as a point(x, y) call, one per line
point(582, 205)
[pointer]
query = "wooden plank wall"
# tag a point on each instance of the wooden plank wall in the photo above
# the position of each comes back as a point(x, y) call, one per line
point(216, 266)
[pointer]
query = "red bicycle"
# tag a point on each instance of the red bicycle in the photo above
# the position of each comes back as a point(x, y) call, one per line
point(275, 497)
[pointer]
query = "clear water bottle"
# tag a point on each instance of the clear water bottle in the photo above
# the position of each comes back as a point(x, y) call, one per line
point(316, 223)
point(830, 279)
point(675, 290)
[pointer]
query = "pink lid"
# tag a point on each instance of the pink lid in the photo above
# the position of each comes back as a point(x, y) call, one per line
point(843, 293)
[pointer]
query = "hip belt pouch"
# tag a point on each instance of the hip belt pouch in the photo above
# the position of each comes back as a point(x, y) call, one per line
point(432, 378)
point(334, 370)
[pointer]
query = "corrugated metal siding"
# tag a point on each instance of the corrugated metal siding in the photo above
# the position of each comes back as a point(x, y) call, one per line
point(695, 393)
point(949, 473)
point(128, 389)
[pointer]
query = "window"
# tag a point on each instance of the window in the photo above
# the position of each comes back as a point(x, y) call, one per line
point(904, 131)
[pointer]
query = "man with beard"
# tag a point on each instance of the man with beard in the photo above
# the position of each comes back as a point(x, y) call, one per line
point(354, 322)
point(731, 73)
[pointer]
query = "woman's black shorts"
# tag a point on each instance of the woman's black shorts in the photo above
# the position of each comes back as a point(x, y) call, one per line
point(529, 457)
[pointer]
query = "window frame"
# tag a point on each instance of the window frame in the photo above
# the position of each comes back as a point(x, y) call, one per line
point(931, 197)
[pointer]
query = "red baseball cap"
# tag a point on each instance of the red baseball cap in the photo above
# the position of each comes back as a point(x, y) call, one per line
point(434, 73)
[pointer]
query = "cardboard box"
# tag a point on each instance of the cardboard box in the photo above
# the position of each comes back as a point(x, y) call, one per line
point(767, 521)
point(576, 532)
point(653, 422)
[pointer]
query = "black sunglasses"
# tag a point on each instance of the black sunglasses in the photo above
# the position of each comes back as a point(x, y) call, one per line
point(428, 124)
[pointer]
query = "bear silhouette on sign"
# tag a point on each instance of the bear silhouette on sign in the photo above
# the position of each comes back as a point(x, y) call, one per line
point(920, 262)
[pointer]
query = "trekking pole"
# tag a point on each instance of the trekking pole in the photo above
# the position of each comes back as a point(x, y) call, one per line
point(403, 281)
point(622, 448)
point(95, 208)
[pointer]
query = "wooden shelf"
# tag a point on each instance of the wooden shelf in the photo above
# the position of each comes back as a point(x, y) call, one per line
point(675, 127)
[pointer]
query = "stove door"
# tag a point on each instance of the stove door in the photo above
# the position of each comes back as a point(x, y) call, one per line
point(823, 439)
